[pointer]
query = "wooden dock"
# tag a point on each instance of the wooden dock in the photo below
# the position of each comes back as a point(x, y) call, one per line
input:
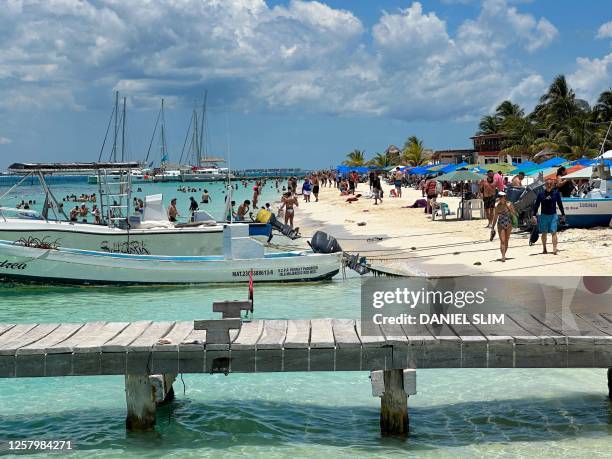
point(151, 354)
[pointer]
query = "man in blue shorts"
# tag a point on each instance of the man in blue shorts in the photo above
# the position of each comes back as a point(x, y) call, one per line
point(550, 199)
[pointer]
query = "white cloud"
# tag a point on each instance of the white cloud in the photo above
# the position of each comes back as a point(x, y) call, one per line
point(605, 31)
point(591, 76)
point(302, 56)
point(499, 26)
point(527, 91)
point(5, 140)
point(410, 31)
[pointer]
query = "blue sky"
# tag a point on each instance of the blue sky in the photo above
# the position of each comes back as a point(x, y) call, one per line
point(291, 83)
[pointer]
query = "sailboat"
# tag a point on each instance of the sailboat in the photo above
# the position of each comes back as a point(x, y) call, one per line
point(203, 168)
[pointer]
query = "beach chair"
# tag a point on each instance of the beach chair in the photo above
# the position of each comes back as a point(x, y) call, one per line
point(444, 211)
point(466, 212)
point(477, 205)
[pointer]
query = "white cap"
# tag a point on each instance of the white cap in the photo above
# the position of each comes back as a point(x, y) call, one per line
point(501, 193)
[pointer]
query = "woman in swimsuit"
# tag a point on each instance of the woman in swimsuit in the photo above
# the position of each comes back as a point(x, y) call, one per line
point(288, 203)
point(504, 211)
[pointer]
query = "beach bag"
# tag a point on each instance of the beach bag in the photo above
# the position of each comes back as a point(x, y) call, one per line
point(515, 222)
point(263, 216)
point(535, 234)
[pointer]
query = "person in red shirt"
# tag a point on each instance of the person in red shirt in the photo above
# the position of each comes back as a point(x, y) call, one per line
point(498, 179)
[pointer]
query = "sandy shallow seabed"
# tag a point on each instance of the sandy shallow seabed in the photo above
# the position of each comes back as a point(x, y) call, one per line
point(415, 244)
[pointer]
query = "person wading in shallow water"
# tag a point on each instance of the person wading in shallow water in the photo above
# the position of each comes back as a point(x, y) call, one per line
point(243, 209)
point(172, 211)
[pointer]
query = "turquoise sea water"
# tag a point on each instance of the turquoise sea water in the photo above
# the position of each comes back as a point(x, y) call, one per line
point(467, 412)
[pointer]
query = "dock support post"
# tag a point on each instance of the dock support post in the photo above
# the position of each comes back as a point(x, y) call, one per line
point(393, 387)
point(143, 393)
point(140, 400)
point(610, 383)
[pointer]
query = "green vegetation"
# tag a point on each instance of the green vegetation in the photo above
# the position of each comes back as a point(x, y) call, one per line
point(560, 123)
point(413, 154)
point(355, 158)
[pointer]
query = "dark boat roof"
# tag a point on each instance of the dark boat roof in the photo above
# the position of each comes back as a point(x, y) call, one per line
point(69, 167)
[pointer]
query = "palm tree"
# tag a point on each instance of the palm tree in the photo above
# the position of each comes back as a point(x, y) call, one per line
point(558, 105)
point(520, 136)
point(380, 160)
point(507, 110)
point(603, 109)
point(355, 158)
point(414, 153)
point(489, 124)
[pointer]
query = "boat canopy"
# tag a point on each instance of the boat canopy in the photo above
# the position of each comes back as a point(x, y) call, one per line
point(72, 167)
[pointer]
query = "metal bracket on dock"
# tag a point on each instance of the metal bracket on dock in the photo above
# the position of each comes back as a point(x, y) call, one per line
point(232, 309)
point(217, 330)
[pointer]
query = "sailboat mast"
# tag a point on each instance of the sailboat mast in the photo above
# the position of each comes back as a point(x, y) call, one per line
point(123, 134)
point(195, 139)
point(163, 133)
point(202, 152)
point(114, 155)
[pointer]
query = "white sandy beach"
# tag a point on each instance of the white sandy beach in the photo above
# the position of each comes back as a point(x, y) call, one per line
point(413, 244)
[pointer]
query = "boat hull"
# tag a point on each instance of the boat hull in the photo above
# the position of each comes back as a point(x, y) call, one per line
point(174, 241)
point(198, 241)
point(587, 212)
point(70, 266)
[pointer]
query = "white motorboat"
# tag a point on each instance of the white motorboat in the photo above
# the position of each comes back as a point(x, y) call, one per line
point(592, 207)
point(47, 263)
point(121, 232)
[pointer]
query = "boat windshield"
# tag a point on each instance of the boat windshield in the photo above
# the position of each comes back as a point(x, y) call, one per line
point(10, 212)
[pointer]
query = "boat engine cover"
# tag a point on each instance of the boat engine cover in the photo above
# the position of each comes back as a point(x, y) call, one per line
point(322, 242)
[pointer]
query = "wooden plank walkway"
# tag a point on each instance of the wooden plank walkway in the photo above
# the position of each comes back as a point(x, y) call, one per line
point(145, 347)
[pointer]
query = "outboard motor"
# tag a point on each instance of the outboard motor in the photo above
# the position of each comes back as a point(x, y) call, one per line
point(324, 243)
point(285, 230)
point(264, 216)
point(525, 201)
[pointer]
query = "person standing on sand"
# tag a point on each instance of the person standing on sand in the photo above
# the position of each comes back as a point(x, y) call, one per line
point(289, 203)
point(488, 191)
point(398, 176)
point(377, 189)
point(371, 177)
point(502, 215)
point(306, 188)
point(351, 184)
point(549, 198)
point(498, 179)
point(315, 186)
point(431, 191)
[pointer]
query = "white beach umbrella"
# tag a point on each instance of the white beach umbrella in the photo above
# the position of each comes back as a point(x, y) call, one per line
point(606, 155)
